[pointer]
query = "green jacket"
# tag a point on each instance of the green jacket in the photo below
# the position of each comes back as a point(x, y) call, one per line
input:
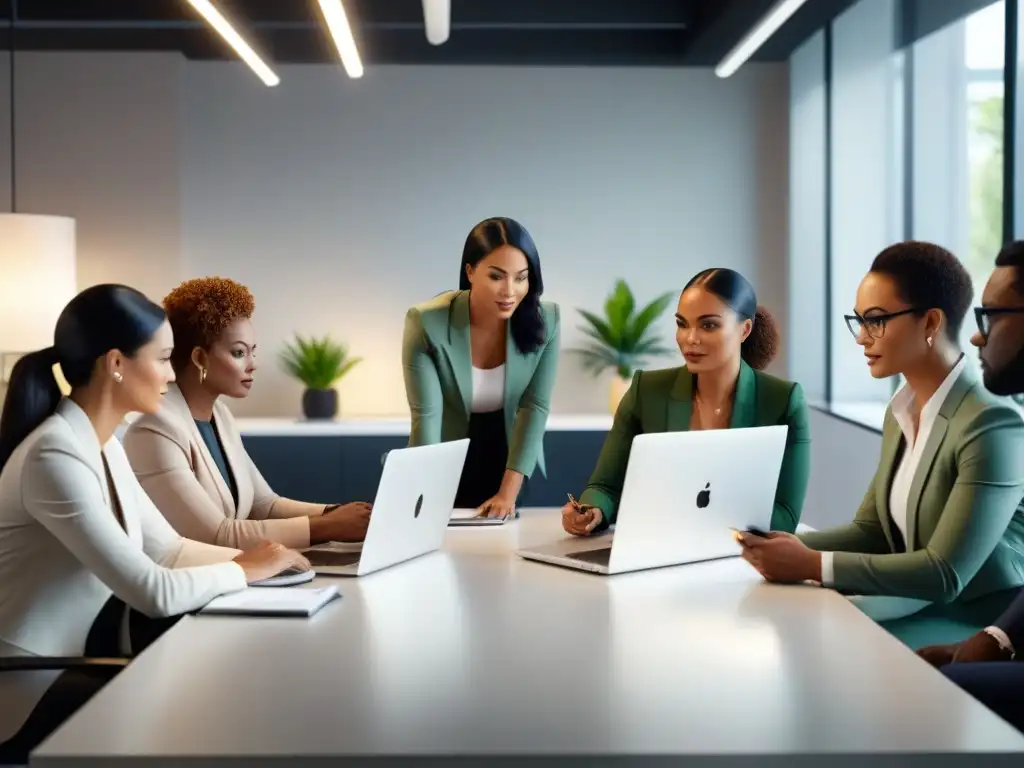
point(661, 401)
point(964, 514)
point(438, 369)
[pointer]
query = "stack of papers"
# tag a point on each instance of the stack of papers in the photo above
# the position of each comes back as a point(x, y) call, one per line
point(272, 602)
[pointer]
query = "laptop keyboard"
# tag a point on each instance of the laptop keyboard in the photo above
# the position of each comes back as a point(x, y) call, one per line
point(597, 556)
point(327, 558)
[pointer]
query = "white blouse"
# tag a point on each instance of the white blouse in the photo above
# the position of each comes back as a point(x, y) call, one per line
point(488, 389)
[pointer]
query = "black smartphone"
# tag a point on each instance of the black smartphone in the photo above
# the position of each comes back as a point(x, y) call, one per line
point(753, 532)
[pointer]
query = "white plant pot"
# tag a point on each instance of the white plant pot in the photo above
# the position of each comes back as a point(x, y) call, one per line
point(616, 390)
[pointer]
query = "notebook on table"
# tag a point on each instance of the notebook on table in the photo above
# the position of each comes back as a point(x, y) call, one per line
point(272, 602)
point(468, 518)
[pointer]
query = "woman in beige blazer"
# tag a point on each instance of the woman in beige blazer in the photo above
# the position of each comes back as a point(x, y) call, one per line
point(86, 561)
point(189, 455)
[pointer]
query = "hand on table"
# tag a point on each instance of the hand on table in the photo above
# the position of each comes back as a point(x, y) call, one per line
point(268, 558)
point(781, 557)
point(580, 519)
point(498, 506)
point(347, 522)
point(980, 646)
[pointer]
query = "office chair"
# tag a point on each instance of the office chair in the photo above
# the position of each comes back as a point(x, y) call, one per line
point(15, 751)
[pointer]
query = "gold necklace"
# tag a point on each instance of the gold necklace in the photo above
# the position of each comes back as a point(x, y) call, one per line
point(700, 403)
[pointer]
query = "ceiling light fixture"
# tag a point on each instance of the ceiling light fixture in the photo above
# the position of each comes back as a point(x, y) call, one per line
point(231, 36)
point(437, 16)
point(341, 31)
point(757, 36)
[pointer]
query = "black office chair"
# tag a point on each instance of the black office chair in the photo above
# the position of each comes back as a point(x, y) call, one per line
point(52, 707)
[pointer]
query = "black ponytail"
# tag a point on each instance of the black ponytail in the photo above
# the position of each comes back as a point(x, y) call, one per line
point(762, 344)
point(32, 397)
point(97, 320)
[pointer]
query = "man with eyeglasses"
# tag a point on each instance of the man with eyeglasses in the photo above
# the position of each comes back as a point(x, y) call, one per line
point(985, 664)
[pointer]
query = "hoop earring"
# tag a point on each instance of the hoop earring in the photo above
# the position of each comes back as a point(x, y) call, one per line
point(929, 340)
point(118, 377)
point(202, 371)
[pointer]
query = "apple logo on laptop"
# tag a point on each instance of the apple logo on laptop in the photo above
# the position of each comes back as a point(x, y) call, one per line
point(419, 506)
point(704, 497)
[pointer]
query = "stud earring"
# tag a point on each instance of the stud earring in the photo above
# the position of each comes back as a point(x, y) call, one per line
point(118, 377)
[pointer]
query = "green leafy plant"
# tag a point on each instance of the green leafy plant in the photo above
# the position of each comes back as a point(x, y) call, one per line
point(317, 363)
point(623, 338)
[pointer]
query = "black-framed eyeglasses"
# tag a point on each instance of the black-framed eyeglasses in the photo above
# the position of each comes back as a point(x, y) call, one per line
point(984, 317)
point(874, 325)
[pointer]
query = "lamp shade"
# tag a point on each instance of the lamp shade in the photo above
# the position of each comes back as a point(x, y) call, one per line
point(38, 278)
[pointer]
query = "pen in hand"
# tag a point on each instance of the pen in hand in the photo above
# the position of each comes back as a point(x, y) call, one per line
point(576, 505)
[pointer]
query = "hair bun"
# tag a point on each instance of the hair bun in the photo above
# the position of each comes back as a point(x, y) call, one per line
point(762, 345)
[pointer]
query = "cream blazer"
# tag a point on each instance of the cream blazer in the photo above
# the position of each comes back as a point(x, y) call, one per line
point(175, 467)
point(63, 552)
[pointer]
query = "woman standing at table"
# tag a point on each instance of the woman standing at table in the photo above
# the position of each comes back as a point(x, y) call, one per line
point(726, 339)
point(189, 455)
point(480, 363)
point(937, 546)
point(87, 563)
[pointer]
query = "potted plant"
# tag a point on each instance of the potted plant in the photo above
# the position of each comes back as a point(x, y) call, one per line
point(623, 339)
point(319, 364)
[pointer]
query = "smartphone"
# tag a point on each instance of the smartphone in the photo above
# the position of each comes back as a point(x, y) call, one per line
point(753, 532)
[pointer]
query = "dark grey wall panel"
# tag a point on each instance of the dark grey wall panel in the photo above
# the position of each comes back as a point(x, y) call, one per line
point(335, 469)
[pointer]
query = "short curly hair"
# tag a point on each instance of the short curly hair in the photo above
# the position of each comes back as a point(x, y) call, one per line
point(200, 310)
point(927, 276)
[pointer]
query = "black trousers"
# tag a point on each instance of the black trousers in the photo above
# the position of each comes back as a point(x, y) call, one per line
point(74, 687)
point(485, 461)
point(999, 685)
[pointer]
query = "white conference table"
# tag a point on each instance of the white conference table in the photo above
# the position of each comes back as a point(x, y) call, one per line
point(474, 654)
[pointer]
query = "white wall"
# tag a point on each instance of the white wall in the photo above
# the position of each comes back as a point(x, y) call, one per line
point(807, 215)
point(866, 186)
point(843, 461)
point(341, 203)
point(98, 139)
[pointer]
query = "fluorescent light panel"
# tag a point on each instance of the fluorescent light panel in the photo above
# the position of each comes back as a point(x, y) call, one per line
point(756, 37)
point(230, 34)
point(341, 31)
point(437, 17)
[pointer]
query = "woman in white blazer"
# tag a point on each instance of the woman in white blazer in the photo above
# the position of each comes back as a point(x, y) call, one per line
point(84, 554)
point(188, 455)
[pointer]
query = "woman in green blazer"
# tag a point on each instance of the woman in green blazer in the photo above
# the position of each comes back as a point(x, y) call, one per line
point(480, 363)
point(726, 339)
point(936, 549)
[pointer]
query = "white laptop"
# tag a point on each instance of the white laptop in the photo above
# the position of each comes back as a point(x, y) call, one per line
point(683, 494)
point(410, 512)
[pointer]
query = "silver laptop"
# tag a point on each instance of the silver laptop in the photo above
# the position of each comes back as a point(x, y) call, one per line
point(410, 512)
point(683, 494)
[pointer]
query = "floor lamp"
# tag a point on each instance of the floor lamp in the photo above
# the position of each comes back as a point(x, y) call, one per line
point(38, 274)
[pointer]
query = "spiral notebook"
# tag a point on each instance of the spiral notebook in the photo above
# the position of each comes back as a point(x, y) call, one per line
point(272, 602)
